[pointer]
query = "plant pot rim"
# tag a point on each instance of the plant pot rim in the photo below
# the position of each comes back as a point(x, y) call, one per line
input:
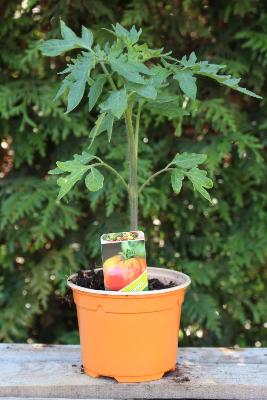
point(182, 280)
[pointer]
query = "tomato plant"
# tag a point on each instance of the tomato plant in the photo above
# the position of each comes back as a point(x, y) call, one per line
point(137, 76)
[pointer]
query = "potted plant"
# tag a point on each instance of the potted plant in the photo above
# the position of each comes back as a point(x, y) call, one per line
point(130, 336)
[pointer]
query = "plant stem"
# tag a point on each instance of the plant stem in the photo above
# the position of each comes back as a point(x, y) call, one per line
point(153, 176)
point(137, 126)
point(105, 70)
point(133, 186)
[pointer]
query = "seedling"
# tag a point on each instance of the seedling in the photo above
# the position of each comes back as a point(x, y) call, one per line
point(137, 76)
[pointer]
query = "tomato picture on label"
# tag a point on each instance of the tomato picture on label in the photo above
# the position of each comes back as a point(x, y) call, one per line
point(120, 272)
point(124, 259)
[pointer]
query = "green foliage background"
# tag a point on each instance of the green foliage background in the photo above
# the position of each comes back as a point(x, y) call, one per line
point(222, 246)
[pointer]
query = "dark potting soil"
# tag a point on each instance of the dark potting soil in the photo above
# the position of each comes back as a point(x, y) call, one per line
point(95, 280)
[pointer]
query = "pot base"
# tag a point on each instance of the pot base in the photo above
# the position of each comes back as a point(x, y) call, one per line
point(131, 379)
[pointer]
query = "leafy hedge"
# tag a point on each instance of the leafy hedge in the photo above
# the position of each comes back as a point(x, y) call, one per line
point(222, 246)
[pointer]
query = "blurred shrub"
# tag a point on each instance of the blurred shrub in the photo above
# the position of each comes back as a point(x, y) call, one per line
point(222, 246)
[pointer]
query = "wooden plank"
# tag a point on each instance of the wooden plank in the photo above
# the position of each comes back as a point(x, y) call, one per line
point(41, 371)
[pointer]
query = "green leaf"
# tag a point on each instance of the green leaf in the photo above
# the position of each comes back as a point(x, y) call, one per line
point(98, 128)
point(191, 60)
point(120, 30)
point(56, 171)
point(187, 83)
point(96, 90)
point(94, 180)
point(66, 83)
point(109, 120)
point(130, 37)
point(67, 182)
point(128, 70)
point(83, 158)
point(55, 47)
point(200, 181)
point(134, 34)
point(77, 78)
point(116, 103)
point(67, 33)
point(71, 166)
point(75, 95)
point(189, 160)
point(145, 53)
point(87, 38)
point(210, 70)
point(248, 92)
point(104, 123)
point(177, 177)
point(170, 110)
point(158, 76)
point(146, 91)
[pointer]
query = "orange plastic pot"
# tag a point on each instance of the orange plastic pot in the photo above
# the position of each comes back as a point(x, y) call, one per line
point(131, 337)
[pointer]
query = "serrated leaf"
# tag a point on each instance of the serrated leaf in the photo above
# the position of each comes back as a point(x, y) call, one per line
point(104, 123)
point(167, 98)
point(130, 37)
point(200, 181)
point(138, 66)
point(116, 103)
point(55, 47)
point(120, 30)
point(94, 180)
point(170, 110)
point(87, 37)
point(83, 158)
point(109, 125)
point(70, 41)
point(210, 70)
point(134, 34)
point(79, 72)
point(187, 83)
point(75, 95)
point(248, 92)
point(189, 160)
point(190, 61)
point(71, 166)
point(146, 91)
point(64, 86)
point(128, 70)
point(96, 90)
point(177, 177)
point(98, 128)
point(158, 76)
point(146, 53)
point(67, 33)
point(56, 171)
point(67, 182)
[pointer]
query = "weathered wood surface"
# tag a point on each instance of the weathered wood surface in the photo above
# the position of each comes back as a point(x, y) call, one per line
point(41, 371)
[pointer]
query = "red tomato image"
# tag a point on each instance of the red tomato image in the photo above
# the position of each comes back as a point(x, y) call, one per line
point(120, 272)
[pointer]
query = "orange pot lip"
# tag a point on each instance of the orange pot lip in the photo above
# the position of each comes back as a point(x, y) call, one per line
point(156, 272)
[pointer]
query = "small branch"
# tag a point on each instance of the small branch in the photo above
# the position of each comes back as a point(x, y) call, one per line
point(105, 70)
point(116, 173)
point(99, 159)
point(153, 176)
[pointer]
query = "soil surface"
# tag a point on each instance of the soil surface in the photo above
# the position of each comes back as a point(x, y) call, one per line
point(95, 280)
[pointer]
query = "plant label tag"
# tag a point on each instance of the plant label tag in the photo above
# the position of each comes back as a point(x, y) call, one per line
point(124, 261)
